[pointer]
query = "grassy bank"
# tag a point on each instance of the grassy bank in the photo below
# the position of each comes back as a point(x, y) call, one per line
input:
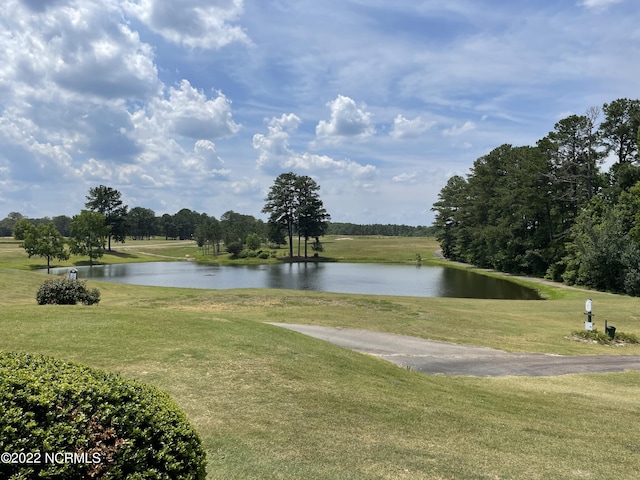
point(271, 403)
point(336, 248)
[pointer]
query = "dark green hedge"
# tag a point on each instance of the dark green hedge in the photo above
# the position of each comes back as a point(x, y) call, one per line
point(64, 291)
point(74, 422)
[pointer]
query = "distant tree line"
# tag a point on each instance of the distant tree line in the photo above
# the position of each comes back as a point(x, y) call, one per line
point(61, 222)
point(390, 230)
point(549, 210)
point(106, 218)
point(142, 223)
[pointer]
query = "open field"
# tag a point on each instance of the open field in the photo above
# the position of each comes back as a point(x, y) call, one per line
point(271, 403)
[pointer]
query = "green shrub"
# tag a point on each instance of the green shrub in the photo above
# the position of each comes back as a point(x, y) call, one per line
point(64, 291)
point(253, 241)
point(117, 428)
point(626, 337)
point(234, 249)
point(593, 335)
point(263, 255)
point(604, 339)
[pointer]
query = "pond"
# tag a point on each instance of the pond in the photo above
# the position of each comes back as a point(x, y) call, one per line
point(370, 279)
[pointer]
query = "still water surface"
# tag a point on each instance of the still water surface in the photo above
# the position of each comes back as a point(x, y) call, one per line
point(371, 279)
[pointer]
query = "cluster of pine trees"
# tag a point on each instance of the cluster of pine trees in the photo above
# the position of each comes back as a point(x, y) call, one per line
point(549, 209)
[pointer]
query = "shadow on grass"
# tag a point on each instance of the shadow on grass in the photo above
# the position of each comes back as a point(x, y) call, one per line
point(79, 263)
point(41, 267)
point(116, 253)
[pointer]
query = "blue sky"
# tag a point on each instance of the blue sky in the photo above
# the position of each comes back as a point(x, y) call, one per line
point(200, 104)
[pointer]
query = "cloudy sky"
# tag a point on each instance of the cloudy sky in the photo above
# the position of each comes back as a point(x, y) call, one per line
point(200, 104)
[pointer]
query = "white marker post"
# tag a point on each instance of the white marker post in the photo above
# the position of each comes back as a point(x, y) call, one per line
point(588, 325)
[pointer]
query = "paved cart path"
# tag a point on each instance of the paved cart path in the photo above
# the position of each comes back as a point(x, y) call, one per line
point(432, 357)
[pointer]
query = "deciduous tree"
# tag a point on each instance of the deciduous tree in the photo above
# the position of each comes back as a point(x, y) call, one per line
point(89, 235)
point(21, 228)
point(108, 202)
point(141, 223)
point(45, 241)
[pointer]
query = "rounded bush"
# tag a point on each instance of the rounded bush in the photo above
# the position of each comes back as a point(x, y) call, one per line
point(66, 421)
point(234, 248)
point(64, 291)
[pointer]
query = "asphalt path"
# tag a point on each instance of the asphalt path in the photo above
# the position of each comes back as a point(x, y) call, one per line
point(432, 357)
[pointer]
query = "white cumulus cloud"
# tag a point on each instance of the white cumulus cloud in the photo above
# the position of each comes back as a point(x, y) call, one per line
point(456, 131)
point(188, 112)
point(348, 120)
point(274, 146)
point(311, 162)
point(405, 128)
point(275, 151)
point(204, 24)
point(204, 160)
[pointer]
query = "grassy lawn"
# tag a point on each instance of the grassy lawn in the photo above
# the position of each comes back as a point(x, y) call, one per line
point(273, 404)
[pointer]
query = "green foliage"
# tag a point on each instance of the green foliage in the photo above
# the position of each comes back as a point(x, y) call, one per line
point(64, 291)
point(626, 337)
point(603, 252)
point(390, 230)
point(620, 129)
point(208, 235)
point(141, 223)
point(88, 235)
point(183, 224)
point(124, 429)
point(8, 223)
point(107, 201)
point(548, 210)
point(236, 227)
point(44, 241)
point(275, 233)
point(317, 246)
point(294, 204)
point(604, 339)
point(499, 218)
point(253, 241)
point(312, 218)
point(234, 248)
point(281, 204)
point(593, 335)
point(21, 228)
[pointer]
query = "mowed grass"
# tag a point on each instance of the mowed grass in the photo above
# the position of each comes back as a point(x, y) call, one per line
point(336, 248)
point(273, 404)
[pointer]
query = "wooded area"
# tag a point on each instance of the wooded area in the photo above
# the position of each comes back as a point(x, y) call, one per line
point(549, 209)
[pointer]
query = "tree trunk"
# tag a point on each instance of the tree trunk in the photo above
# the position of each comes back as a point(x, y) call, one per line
point(290, 232)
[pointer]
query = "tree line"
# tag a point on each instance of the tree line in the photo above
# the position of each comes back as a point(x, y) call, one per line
point(388, 230)
point(549, 209)
point(293, 201)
